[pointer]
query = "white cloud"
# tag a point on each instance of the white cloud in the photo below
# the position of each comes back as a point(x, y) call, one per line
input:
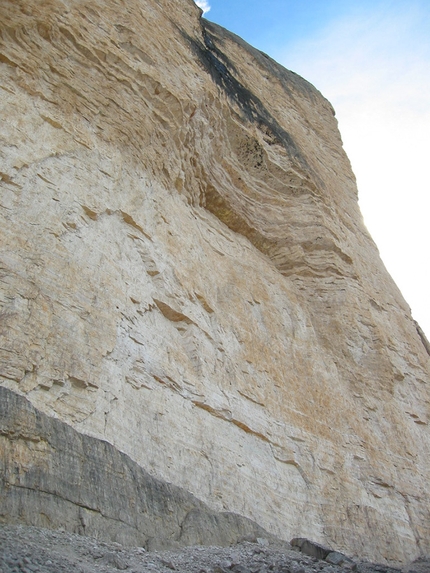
point(375, 70)
point(204, 5)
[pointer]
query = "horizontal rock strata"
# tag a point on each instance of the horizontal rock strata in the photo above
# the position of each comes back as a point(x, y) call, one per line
point(185, 274)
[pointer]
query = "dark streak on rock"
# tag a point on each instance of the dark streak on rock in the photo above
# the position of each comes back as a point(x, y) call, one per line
point(222, 71)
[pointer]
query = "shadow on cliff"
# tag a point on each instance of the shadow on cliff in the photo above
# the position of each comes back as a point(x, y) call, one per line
point(55, 477)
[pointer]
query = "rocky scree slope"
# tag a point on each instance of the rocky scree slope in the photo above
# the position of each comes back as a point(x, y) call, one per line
point(185, 275)
point(42, 551)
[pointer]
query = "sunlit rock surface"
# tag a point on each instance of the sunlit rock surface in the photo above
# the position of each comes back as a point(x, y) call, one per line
point(185, 273)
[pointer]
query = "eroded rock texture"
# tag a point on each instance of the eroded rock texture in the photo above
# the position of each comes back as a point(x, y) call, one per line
point(185, 273)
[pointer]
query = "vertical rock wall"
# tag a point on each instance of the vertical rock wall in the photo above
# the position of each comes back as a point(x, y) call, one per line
point(184, 272)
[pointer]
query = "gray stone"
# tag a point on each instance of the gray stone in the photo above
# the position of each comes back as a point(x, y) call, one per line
point(337, 558)
point(168, 564)
point(418, 566)
point(296, 568)
point(115, 560)
point(240, 569)
point(310, 548)
point(85, 485)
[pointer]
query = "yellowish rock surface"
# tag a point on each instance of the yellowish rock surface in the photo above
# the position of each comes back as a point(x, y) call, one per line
point(184, 272)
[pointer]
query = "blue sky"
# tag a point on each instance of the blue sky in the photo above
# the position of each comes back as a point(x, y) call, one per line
point(269, 24)
point(371, 59)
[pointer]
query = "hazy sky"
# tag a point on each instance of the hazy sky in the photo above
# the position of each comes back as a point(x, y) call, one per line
point(371, 59)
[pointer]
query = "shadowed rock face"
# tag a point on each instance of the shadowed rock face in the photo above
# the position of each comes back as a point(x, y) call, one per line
point(53, 476)
point(185, 274)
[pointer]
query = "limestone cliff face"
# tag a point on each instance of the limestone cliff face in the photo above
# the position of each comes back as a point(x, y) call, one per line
point(185, 273)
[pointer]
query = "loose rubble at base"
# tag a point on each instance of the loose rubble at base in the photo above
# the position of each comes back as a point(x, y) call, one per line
point(35, 550)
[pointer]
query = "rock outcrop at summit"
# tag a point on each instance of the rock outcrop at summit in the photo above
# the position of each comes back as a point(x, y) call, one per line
point(185, 273)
